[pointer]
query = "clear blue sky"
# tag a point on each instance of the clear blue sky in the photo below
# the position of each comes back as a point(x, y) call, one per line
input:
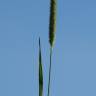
point(74, 55)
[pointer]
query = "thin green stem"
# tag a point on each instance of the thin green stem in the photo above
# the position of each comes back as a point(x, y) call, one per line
point(49, 71)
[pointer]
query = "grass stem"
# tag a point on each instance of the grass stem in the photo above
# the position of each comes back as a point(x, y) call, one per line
point(49, 72)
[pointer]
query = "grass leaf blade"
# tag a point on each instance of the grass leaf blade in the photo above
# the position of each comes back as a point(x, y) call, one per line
point(40, 72)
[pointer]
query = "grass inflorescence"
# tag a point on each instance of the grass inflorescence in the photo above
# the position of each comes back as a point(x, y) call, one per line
point(52, 22)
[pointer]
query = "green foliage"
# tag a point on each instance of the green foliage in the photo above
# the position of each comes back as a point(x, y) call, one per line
point(52, 29)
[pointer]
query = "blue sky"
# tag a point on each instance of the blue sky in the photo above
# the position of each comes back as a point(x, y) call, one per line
point(74, 63)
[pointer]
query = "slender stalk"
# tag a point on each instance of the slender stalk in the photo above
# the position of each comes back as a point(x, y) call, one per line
point(50, 71)
point(52, 29)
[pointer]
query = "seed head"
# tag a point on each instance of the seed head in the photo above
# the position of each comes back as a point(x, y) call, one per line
point(52, 22)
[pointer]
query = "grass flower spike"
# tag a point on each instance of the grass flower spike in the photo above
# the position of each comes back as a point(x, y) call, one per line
point(52, 22)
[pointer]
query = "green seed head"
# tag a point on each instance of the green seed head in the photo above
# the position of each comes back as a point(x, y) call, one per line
point(52, 22)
